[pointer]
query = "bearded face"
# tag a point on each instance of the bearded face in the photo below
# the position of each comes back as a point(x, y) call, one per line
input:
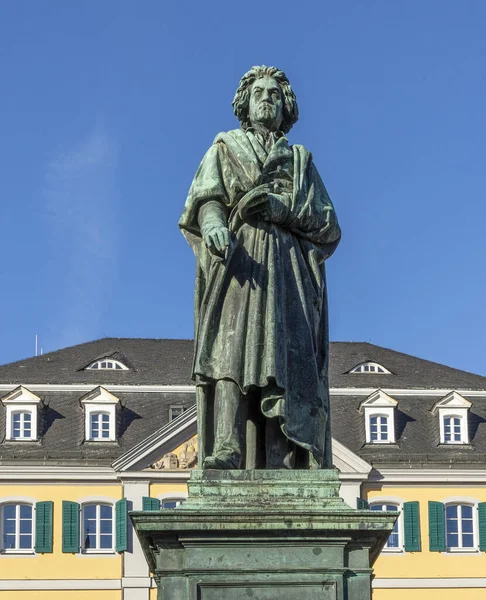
point(266, 104)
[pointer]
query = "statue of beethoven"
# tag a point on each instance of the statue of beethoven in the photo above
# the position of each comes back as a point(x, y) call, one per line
point(261, 225)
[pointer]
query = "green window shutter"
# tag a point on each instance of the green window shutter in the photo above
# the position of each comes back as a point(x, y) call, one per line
point(121, 525)
point(437, 541)
point(43, 526)
point(411, 523)
point(482, 526)
point(362, 504)
point(70, 526)
point(150, 503)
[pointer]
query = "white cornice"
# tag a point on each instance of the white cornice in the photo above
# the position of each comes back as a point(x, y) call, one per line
point(429, 583)
point(55, 473)
point(191, 389)
point(428, 476)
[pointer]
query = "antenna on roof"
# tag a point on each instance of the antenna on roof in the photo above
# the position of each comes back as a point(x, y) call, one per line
point(36, 344)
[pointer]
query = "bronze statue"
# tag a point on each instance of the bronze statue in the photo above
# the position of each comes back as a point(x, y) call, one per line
point(261, 225)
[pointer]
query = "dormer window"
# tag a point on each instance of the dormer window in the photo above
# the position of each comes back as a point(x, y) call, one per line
point(21, 418)
point(370, 367)
point(99, 425)
point(21, 425)
point(453, 418)
point(107, 364)
point(379, 414)
point(100, 408)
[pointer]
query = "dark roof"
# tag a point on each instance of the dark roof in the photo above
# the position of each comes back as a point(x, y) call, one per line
point(169, 362)
point(61, 428)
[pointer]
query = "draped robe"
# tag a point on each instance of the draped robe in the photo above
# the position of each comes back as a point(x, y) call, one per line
point(261, 311)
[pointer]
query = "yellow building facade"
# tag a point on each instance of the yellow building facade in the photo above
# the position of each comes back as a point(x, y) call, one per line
point(102, 447)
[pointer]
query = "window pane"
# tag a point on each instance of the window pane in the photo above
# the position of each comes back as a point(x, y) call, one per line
point(467, 540)
point(451, 511)
point(25, 511)
point(106, 542)
point(90, 542)
point(466, 512)
point(106, 418)
point(452, 525)
point(27, 418)
point(452, 540)
point(467, 526)
point(106, 511)
point(170, 503)
point(105, 434)
point(118, 367)
point(373, 420)
point(9, 526)
point(25, 526)
point(393, 541)
point(376, 507)
point(391, 507)
point(16, 419)
point(90, 511)
point(106, 526)
point(9, 541)
point(25, 541)
point(9, 511)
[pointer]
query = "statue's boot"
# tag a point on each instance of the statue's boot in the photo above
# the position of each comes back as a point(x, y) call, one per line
point(221, 461)
point(231, 410)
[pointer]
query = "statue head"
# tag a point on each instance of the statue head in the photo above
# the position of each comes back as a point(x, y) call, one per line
point(265, 98)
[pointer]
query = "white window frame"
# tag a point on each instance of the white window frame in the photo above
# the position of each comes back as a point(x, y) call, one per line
point(21, 400)
point(374, 368)
point(453, 406)
point(96, 365)
point(100, 400)
point(474, 549)
point(454, 414)
point(17, 549)
point(379, 404)
point(13, 411)
point(379, 440)
point(382, 501)
point(97, 550)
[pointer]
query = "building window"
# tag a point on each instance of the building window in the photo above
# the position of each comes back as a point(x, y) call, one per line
point(370, 367)
point(22, 425)
point(175, 411)
point(171, 502)
point(394, 541)
point(107, 364)
point(17, 531)
point(452, 429)
point(97, 528)
point(99, 426)
point(379, 431)
point(460, 526)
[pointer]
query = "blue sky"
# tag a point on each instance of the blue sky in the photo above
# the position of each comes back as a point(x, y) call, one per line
point(108, 107)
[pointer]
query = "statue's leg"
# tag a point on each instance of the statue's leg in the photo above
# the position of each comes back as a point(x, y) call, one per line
point(230, 413)
point(280, 451)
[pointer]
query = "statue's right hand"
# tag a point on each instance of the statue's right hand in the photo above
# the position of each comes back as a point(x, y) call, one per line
point(217, 238)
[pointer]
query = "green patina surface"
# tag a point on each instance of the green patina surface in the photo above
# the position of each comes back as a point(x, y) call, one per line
point(266, 535)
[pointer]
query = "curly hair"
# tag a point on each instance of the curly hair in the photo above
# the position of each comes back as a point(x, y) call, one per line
point(241, 101)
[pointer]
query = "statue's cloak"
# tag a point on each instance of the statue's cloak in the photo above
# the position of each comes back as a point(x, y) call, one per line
point(261, 312)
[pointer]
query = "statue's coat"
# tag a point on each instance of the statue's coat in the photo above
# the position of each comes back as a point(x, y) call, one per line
point(261, 312)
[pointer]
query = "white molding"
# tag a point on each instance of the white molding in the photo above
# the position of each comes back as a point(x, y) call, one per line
point(41, 473)
point(350, 465)
point(191, 389)
point(443, 476)
point(159, 438)
point(429, 583)
point(20, 395)
point(59, 584)
point(136, 582)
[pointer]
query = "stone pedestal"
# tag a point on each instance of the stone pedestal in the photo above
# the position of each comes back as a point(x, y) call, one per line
point(263, 535)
